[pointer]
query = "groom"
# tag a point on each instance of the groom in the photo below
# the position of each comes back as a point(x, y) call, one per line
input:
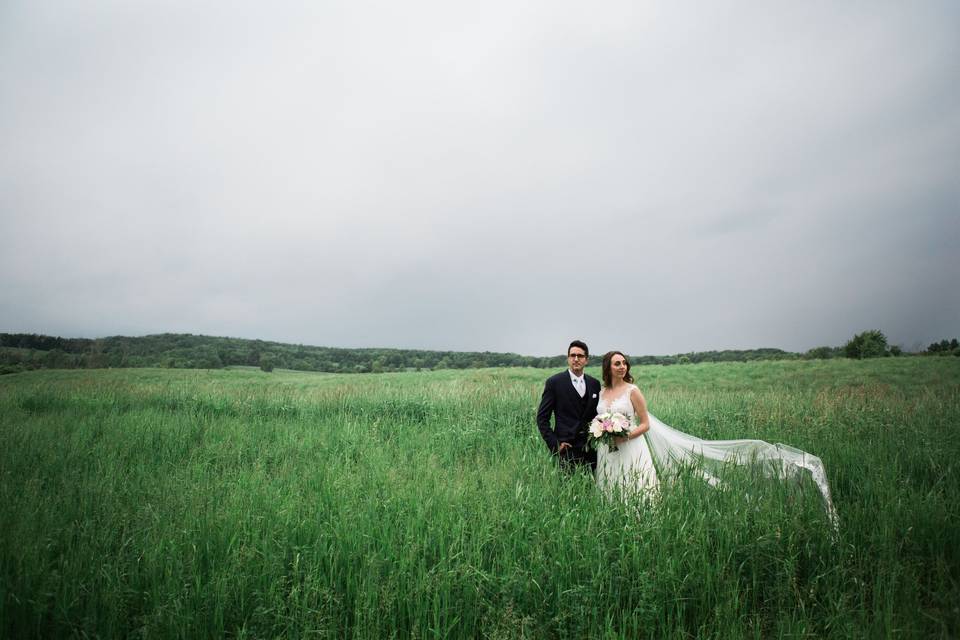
point(572, 398)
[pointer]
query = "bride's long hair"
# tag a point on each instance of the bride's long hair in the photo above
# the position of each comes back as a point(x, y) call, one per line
point(607, 375)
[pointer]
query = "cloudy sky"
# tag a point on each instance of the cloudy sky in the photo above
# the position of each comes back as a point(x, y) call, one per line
point(652, 176)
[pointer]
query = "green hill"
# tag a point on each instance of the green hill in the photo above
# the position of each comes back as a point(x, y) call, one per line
point(23, 351)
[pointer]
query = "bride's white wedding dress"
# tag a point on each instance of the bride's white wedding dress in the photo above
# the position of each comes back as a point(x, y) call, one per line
point(641, 463)
point(630, 468)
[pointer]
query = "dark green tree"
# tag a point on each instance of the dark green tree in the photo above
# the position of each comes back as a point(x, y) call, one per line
point(819, 353)
point(869, 344)
point(267, 362)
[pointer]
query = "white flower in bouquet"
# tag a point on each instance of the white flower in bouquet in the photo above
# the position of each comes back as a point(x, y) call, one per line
point(607, 426)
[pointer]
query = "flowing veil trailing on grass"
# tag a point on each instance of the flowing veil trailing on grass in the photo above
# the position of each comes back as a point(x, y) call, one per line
point(673, 450)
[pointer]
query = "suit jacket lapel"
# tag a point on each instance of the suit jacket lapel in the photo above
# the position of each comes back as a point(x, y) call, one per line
point(572, 389)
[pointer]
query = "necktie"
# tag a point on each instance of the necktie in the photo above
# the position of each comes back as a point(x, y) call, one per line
point(579, 386)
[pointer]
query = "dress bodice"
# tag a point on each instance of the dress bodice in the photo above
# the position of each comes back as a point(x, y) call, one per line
point(620, 404)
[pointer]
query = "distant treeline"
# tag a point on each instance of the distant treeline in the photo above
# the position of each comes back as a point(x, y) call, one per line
point(22, 351)
point(187, 351)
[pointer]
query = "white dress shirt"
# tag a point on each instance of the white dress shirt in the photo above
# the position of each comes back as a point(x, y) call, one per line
point(578, 383)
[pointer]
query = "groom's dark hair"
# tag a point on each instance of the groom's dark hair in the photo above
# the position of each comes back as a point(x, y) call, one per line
point(581, 344)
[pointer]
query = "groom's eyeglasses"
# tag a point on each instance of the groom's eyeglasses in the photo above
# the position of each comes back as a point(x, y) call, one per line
point(577, 355)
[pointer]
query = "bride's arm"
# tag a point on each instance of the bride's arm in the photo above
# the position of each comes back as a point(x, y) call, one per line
point(639, 408)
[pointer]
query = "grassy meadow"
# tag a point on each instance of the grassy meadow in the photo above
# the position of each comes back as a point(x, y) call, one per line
point(175, 503)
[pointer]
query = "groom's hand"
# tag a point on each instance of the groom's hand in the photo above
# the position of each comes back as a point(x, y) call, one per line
point(563, 447)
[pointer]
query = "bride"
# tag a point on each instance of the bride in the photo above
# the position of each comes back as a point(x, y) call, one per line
point(630, 466)
point(652, 445)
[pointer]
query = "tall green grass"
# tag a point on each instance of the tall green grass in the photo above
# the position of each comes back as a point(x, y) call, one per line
point(236, 503)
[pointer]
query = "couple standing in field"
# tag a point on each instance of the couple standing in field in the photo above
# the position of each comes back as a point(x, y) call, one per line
point(574, 399)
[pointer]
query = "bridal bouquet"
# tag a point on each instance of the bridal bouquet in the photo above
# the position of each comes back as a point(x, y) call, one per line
point(607, 426)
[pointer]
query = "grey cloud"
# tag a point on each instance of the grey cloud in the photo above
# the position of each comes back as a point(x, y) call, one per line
point(657, 177)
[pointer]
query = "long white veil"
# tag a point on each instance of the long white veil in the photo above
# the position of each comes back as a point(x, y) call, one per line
point(673, 450)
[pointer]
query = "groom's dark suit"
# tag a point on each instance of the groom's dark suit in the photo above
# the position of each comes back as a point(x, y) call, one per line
point(572, 415)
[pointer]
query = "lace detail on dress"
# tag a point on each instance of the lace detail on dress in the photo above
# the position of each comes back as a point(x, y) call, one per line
point(620, 404)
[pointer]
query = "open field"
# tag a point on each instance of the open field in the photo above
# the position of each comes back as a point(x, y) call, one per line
point(160, 503)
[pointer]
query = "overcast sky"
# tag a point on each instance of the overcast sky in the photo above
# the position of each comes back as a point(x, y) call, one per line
point(655, 177)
